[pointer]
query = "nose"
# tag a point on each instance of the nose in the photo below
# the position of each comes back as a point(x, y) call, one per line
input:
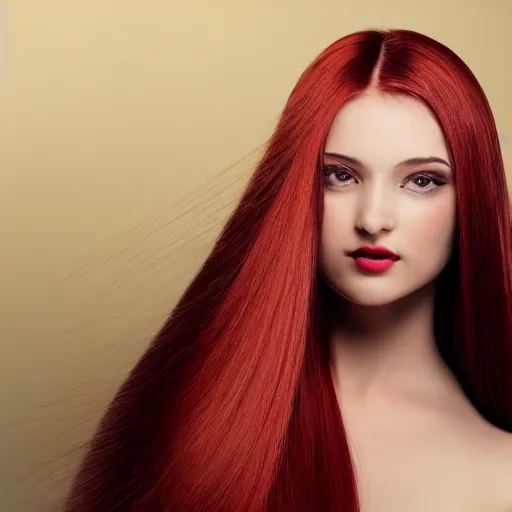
point(375, 210)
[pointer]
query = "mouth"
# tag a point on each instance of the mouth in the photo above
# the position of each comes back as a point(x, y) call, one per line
point(374, 259)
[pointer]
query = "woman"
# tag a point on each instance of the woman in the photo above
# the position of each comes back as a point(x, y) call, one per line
point(346, 346)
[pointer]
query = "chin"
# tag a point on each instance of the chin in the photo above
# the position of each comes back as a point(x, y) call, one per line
point(380, 293)
point(369, 294)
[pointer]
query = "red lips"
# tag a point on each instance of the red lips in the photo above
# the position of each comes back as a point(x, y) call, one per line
point(374, 259)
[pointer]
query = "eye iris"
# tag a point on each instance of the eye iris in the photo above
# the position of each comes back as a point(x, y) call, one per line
point(422, 181)
point(342, 175)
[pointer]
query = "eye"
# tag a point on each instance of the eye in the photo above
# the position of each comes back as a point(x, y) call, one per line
point(337, 176)
point(424, 183)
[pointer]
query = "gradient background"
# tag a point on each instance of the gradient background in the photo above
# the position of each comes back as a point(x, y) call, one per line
point(128, 129)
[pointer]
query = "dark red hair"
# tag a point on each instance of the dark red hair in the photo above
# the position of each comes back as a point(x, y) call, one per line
point(232, 408)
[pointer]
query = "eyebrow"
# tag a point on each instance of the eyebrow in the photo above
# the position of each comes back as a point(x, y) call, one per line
point(410, 161)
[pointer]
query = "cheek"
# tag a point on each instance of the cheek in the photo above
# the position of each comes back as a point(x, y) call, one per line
point(431, 228)
point(337, 231)
point(337, 221)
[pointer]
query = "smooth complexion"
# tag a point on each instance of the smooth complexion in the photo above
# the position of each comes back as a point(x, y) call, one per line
point(378, 200)
point(416, 441)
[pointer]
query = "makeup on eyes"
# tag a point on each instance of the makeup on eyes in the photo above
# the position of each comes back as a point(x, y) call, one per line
point(340, 163)
point(437, 177)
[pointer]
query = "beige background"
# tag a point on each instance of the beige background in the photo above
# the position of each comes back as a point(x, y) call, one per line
point(127, 131)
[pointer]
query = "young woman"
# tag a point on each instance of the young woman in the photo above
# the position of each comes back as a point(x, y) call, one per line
point(347, 344)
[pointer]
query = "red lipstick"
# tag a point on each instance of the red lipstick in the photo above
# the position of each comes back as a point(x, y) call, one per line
point(374, 259)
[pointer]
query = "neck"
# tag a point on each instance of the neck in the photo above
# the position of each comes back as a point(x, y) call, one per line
point(388, 350)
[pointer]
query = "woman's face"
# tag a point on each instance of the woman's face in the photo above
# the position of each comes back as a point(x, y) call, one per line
point(373, 197)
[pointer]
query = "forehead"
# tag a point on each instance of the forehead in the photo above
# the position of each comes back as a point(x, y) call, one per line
point(382, 129)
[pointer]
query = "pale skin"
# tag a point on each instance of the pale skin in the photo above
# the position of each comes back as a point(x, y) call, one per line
point(416, 441)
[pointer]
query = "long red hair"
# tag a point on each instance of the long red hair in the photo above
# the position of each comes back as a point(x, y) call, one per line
point(232, 407)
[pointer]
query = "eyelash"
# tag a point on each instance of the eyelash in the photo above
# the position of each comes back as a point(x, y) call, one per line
point(434, 177)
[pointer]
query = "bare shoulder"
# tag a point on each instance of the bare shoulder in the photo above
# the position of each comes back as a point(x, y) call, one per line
point(506, 443)
point(499, 466)
point(490, 461)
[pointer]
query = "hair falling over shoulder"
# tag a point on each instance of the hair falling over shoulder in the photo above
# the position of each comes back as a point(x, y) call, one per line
point(232, 407)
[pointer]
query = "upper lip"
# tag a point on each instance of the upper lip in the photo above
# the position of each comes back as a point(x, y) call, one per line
point(382, 251)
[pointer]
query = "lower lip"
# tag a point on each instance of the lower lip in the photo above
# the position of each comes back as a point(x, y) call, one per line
point(374, 265)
